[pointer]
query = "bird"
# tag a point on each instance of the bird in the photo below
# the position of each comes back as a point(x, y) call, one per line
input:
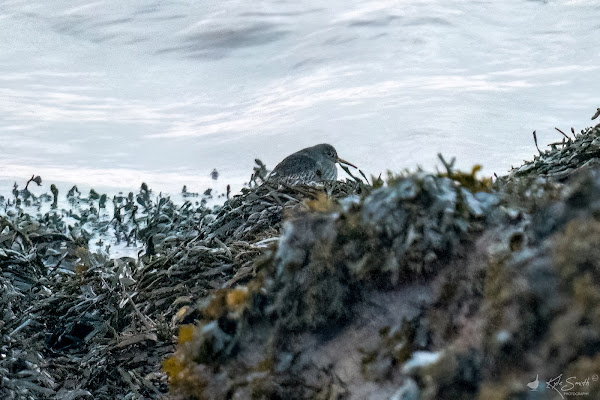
point(309, 166)
point(534, 385)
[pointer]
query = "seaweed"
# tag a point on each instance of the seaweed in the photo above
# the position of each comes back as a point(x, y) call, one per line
point(426, 285)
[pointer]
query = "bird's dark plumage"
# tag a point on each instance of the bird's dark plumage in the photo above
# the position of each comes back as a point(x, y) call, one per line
point(308, 166)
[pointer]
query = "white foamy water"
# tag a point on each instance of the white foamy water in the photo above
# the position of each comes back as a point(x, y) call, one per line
point(114, 93)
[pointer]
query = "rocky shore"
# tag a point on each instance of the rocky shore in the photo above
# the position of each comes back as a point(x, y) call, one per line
point(417, 286)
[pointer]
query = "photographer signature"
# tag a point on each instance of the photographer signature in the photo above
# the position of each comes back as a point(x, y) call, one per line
point(565, 387)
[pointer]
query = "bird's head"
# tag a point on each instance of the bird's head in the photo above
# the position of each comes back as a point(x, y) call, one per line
point(329, 153)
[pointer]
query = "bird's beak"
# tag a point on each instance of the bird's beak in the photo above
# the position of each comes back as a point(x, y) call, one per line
point(342, 161)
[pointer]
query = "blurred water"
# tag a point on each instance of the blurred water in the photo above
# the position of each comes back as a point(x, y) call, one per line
point(110, 94)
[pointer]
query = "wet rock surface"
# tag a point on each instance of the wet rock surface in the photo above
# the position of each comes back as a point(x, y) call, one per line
point(430, 286)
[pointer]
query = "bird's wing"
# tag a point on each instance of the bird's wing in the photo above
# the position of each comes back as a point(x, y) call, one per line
point(293, 164)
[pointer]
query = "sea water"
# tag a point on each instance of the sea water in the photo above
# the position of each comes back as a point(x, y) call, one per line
point(108, 94)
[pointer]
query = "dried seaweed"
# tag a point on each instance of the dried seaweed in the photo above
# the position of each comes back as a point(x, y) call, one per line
point(564, 158)
point(77, 323)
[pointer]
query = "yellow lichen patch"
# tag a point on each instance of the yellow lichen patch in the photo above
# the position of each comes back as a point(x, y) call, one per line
point(81, 268)
point(321, 204)
point(395, 178)
point(188, 376)
point(173, 367)
point(227, 301)
point(186, 333)
point(377, 181)
point(469, 180)
point(84, 256)
point(217, 306)
point(82, 252)
point(237, 298)
point(185, 379)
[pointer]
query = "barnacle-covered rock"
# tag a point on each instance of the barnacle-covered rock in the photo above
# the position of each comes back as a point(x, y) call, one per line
point(435, 286)
point(532, 308)
point(420, 221)
point(328, 263)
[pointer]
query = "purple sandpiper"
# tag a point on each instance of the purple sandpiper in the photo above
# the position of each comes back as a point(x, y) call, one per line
point(308, 166)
